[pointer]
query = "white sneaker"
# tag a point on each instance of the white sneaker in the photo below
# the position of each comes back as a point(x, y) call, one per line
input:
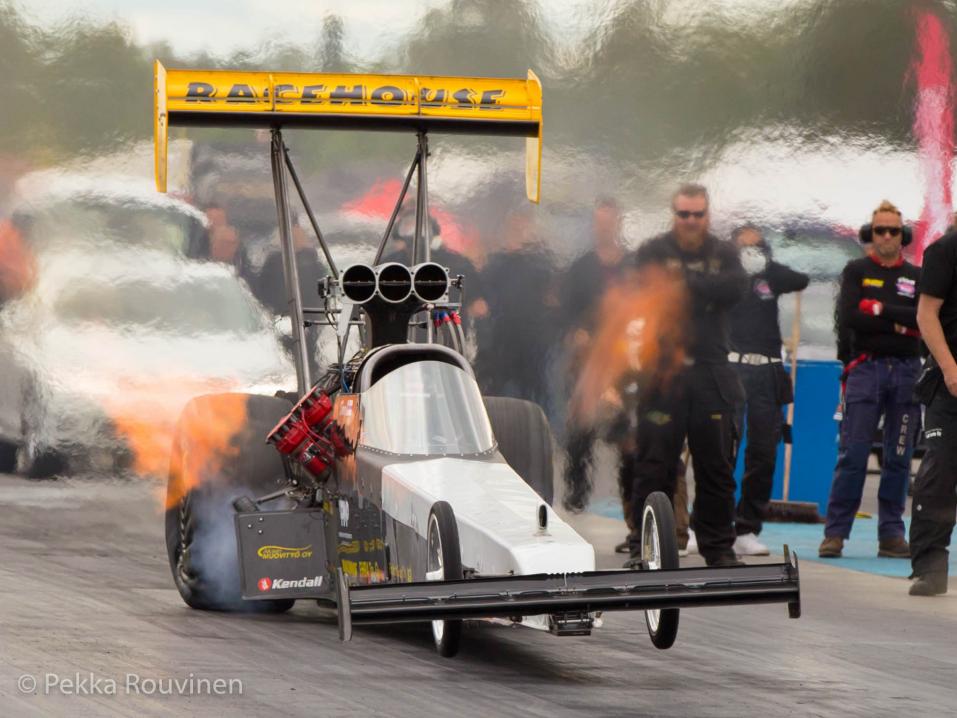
point(748, 545)
point(682, 552)
point(692, 544)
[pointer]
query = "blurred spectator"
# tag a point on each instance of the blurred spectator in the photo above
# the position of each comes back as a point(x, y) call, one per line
point(699, 400)
point(582, 287)
point(18, 267)
point(756, 357)
point(224, 245)
point(877, 305)
point(270, 288)
point(515, 344)
point(935, 489)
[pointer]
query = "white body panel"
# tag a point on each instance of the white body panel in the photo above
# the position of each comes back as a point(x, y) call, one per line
point(496, 513)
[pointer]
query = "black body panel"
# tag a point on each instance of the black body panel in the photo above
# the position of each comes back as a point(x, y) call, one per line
point(283, 554)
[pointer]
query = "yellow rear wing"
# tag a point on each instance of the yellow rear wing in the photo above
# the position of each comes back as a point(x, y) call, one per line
point(464, 105)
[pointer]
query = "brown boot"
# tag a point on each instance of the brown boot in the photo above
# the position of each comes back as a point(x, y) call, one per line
point(831, 547)
point(896, 547)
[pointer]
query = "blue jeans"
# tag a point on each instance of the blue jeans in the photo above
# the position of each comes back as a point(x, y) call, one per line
point(878, 386)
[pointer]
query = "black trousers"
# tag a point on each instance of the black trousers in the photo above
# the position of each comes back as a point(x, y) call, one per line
point(935, 488)
point(761, 413)
point(578, 486)
point(578, 447)
point(699, 404)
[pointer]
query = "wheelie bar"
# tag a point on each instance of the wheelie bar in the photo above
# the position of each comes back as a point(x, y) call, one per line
point(619, 590)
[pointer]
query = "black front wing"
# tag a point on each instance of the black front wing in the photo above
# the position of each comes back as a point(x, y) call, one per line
point(615, 590)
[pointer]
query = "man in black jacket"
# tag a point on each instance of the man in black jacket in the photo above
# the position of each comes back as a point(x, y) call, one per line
point(756, 356)
point(699, 400)
point(581, 292)
point(878, 304)
point(935, 489)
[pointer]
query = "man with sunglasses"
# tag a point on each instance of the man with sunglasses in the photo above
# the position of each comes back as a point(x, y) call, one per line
point(693, 391)
point(877, 306)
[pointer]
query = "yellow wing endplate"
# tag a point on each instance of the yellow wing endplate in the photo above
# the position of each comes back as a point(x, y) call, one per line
point(465, 105)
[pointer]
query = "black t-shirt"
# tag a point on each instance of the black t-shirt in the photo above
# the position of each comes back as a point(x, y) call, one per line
point(754, 320)
point(896, 288)
point(938, 278)
point(582, 289)
point(270, 288)
point(716, 281)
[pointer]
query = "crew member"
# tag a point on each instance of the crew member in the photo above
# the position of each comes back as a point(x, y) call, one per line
point(877, 305)
point(935, 488)
point(515, 346)
point(756, 356)
point(698, 400)
point(583, 286)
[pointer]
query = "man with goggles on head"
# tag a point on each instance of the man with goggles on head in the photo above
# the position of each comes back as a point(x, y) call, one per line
point(696, 391)
point(877, 305)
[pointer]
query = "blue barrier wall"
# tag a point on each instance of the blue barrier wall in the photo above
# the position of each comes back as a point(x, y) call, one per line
point(817, 391)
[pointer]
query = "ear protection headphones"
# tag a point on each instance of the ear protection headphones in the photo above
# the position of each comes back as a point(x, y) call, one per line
point(866, 234)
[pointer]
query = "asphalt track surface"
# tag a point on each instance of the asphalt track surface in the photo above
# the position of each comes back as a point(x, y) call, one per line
point(85, 594)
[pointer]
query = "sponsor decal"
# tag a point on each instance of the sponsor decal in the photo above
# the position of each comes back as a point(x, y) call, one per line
point(903, 436)
point(933, 433)
point(359, 94)
point(284, 584)
point(872, 282)
point(273, 552)
point(658, 418)
point(349, 548)
point(906, 287)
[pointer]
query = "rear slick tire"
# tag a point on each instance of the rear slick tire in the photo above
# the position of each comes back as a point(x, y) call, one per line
point(524, 439)
point(659, 551)
point(444, 563)
point(200, 518)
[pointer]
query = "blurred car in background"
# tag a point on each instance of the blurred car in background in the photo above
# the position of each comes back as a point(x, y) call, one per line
point(98, 358)
point(62, 210)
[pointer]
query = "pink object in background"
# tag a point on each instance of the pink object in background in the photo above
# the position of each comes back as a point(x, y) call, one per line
point(933, 128)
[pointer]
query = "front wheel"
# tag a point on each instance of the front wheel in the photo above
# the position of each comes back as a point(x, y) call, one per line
point(444, 563)
point(659, 550)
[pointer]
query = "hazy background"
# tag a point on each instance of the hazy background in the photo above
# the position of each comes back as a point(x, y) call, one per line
point(800, 115)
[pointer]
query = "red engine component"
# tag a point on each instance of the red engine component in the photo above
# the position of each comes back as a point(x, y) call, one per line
point(309, 435)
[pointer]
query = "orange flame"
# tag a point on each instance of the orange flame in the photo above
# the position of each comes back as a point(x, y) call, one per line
point(153, 413)
point(642, 329)
point(213, 433)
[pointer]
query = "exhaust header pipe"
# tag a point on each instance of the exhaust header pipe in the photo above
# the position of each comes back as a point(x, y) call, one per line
point(394, 282)
point(358, 283)
point(430, 282)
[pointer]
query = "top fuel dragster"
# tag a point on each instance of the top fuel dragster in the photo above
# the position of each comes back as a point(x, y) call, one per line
point(389, 487)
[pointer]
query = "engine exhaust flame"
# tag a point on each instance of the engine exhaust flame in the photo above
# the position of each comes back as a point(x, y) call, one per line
point(148, 415)
point(642, 330)
point(213, 438)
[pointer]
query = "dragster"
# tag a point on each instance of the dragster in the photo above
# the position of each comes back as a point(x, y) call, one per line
point(388, 487)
